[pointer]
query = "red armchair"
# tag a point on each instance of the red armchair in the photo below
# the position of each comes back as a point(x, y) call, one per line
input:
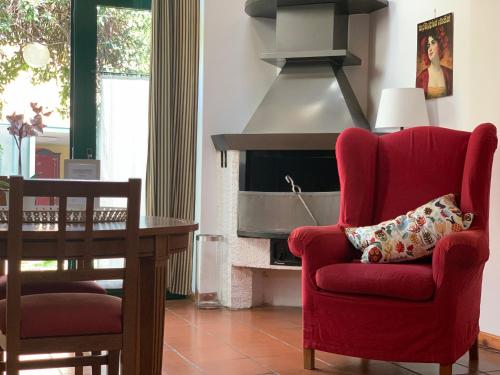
point(420, 312)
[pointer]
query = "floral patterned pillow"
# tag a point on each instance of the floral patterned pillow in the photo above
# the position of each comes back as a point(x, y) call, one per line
point(410, 236)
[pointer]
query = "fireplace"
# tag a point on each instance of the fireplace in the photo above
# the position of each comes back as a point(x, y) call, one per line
point(292, 132)
point(257, 211)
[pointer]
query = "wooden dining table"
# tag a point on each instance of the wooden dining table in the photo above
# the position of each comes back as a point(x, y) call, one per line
point(159, 237)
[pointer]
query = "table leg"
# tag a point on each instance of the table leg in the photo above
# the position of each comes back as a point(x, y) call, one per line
point(153, 277)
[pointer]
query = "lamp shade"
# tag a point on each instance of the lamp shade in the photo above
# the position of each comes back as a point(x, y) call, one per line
point(402, 107)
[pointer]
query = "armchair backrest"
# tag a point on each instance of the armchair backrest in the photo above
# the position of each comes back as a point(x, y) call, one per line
point(385, 176)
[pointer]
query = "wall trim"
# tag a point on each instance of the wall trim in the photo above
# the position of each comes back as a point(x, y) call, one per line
point(489, 340)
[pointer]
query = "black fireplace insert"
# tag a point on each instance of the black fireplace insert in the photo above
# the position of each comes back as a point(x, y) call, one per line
point(313, 171)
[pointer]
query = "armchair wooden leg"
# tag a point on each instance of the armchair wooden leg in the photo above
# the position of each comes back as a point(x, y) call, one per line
point(445, 369)
point(308, 359)
point(365, 366)
point(114, 362)
point(474, 352)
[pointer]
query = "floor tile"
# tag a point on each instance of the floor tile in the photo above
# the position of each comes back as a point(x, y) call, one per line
point(269, 350)
point(433, 369)
point(182, 369)
point(281, 363)
point(352, 365)
point(323, 371)
point(241, 366)
point(344, 362)
point(217, 352)
point(489, 360)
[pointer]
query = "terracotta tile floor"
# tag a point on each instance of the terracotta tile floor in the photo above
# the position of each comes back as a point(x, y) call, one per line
point(268, 341)
point(265, 341)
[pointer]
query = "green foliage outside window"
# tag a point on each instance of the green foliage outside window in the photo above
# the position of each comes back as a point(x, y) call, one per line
point(48, 22)
point(123, 41)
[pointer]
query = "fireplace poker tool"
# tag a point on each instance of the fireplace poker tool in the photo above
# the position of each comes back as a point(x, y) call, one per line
point(297, 190)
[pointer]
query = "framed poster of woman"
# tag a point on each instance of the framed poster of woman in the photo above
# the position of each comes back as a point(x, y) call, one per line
point(435, 57)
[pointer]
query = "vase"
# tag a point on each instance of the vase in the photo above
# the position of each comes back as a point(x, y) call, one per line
point(19, 164)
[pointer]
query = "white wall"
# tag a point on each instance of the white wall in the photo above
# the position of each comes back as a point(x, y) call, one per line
point(393, 53)
point(484, 107)
point(475, 100)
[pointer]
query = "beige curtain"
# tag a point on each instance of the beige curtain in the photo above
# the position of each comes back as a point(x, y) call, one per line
point(170, 183)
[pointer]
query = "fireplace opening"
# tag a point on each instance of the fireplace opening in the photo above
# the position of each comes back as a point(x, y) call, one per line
point(312, 170)
point(267, 207)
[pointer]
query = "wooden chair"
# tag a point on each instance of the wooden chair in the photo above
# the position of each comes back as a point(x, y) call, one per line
point(50, 287)
point(71, 322)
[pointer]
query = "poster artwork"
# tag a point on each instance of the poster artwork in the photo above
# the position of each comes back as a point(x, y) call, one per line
point(435, 56)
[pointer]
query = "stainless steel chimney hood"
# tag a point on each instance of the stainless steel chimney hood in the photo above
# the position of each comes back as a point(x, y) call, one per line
point(307, 98)
point(311, 100)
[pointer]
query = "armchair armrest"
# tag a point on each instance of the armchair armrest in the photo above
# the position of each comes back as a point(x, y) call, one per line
point(458, 256)
point(320, 246)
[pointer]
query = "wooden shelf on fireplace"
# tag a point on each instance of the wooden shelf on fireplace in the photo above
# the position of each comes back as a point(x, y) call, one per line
point(268, 235)
point(267, 8)
point(275, 141)
point(340, 57)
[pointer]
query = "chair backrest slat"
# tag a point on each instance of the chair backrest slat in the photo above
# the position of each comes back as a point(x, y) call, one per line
point(89, 224)
point(73, 275)
point(61, 238)
point(75, 188)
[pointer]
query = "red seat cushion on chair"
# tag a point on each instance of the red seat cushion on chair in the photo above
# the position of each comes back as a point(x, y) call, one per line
point(67, 314)
point(406, 281)
point(54, 287)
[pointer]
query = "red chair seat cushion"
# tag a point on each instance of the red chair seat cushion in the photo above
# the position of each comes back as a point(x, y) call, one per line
point(67, 314)
point(54, 287)
point(407, 281)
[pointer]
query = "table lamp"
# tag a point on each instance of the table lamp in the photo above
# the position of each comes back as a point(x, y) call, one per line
point(402, 108)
